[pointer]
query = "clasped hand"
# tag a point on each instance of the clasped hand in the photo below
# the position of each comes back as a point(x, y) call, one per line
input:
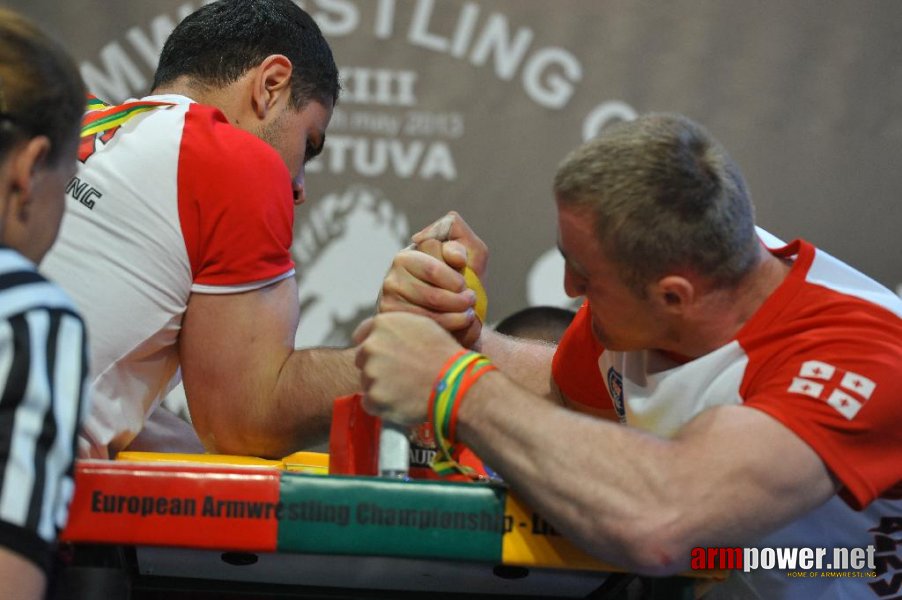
point(424, 302)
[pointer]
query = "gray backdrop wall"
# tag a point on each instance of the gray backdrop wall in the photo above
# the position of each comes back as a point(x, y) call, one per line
point(470, 104)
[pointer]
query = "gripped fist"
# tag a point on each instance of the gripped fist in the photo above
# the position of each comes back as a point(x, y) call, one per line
point(399, 356)
point(427, 279)
point(422, 284)
point(463, 246)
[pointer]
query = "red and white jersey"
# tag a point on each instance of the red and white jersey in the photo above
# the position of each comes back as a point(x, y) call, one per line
point(173, 201)
point(822, 355)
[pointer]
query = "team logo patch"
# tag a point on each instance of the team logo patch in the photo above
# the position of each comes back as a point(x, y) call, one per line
point(615, 388)
point(844, 390)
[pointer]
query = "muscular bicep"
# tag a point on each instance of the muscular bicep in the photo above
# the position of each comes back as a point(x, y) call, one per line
point(232, 348)
point(739, 474)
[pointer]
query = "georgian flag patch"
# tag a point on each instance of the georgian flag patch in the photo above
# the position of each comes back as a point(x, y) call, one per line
point(843, 390)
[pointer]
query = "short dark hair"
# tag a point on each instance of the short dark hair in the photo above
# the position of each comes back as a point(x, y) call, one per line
point(545, 323)
point(220, 42)
point(41, 91)
point(664, 195)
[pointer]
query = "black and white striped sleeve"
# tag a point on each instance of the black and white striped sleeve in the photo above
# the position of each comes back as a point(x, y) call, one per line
point(43, 370)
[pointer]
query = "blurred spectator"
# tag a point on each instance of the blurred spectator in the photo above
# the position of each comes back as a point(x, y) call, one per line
point(544, 323)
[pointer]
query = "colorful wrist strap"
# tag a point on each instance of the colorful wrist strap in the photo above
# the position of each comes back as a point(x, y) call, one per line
point(458, 374)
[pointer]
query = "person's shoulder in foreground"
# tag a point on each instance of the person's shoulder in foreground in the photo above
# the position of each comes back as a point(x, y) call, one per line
point(42, 339)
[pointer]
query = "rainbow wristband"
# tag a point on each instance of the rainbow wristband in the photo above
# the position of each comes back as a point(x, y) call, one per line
point(458, 374)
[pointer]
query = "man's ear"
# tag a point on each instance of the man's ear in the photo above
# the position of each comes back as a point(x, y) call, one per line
point(27, 159)
point(271, 84)
point(674, 294)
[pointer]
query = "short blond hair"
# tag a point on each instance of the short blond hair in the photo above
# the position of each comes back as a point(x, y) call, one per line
point(664, 195)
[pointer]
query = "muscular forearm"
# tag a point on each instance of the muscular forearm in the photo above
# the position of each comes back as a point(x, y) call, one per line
point(730, 475)
point(313, 378)
point(308, 383)
point(527, 362)
point(249, 390)
point(601, 501)
point(291, 410)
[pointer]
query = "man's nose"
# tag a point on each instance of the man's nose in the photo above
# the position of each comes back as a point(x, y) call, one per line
point(574, 285)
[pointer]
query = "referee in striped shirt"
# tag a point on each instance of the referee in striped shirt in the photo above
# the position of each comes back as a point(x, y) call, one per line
point(42, 339)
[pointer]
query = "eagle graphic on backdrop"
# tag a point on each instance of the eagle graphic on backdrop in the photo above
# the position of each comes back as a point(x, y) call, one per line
point(343, 247)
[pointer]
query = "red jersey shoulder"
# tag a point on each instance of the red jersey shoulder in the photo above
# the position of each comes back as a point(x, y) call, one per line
point(235, 202)
point(575, 364)
point(828, 369)
point(815, 319)
point(210, 141)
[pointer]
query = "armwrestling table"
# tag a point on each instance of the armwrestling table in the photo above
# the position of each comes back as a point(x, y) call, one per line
point(207, 526)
